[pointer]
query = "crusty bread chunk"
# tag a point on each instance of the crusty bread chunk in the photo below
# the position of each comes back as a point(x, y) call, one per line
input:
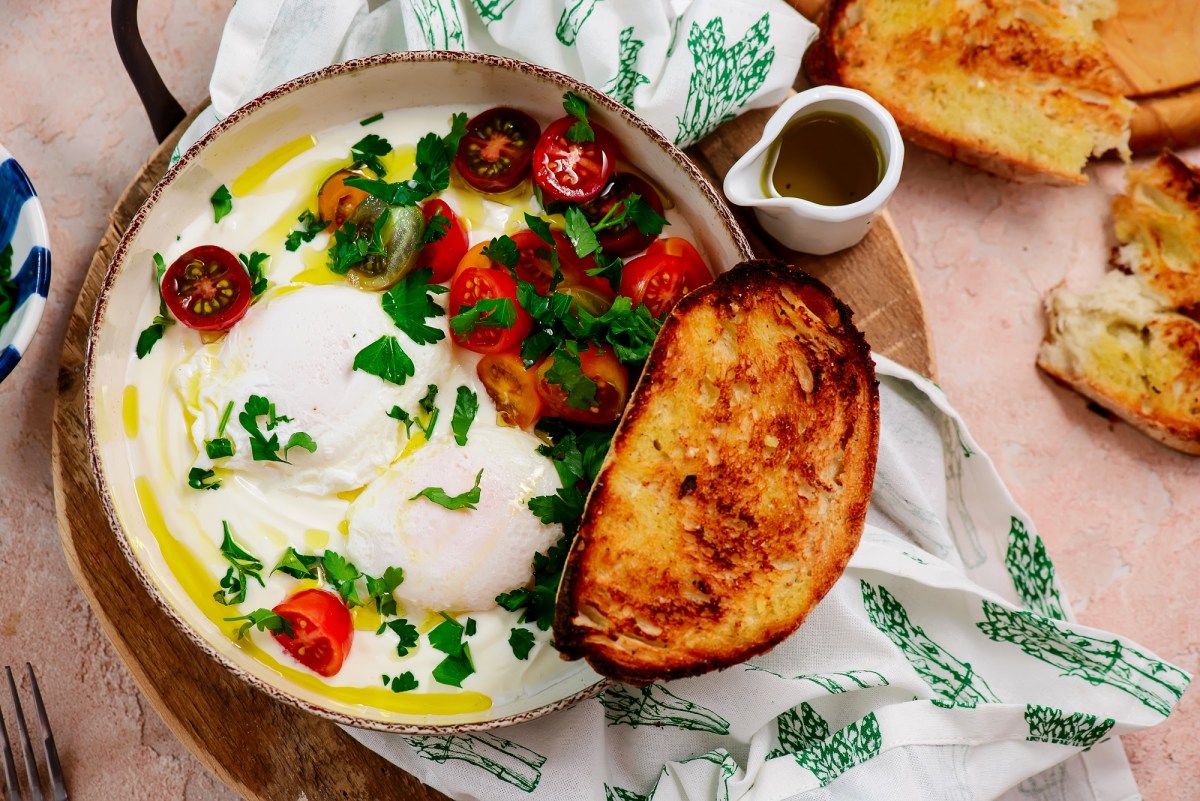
point(1132, 344)
point(736, 486)
point(1021, 88)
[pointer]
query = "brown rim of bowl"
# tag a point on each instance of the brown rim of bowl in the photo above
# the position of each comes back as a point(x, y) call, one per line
point(593, 96)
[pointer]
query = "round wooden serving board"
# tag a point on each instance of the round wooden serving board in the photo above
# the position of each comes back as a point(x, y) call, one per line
point(270, 751)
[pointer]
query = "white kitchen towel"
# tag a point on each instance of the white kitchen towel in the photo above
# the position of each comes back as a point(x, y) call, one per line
point(945, 664)
point(686, 66)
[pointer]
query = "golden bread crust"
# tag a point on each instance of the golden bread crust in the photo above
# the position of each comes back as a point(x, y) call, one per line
point(736, 487)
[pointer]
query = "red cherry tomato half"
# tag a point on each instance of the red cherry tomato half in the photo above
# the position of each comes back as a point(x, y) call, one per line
point(624, 239)
point(574, 171)
point(612, 388)
point(443, 255)
point(677, 246)
point(474, 284)
point(321, 630)
point(512, 387)
point(207, 289)
point(495, 153)
point(336, 201)
point(660, 281)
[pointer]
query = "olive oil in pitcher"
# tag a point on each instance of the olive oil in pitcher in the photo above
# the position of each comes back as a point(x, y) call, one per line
point(826, 158)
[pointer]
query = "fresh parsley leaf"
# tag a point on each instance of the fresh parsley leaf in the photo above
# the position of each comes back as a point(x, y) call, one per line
point(254, 266)
point(371, 119)
point(486, 313)
point(350, 247)
point(580, 232)
point(466, 405)
point(299, 440)
point(222, 202)
point(470, 627)
point(631, 331)
point(263, 620)
point(434, 156)
point(537, 603)
point(564, 506)
point(410, 303)
point(148, 338)
point(402, 683)
point(200, 479)
point(566, 372)
point(503, 250)
point(385, 358)
point(297, 565)
point(429, 407)
point(447, 636)
point(242, 566)
point(466, 500)
point(610, 269)
point(535, 346)
point(369, 149)
point(342, 575)
point(453, 669)
point(399, 414)
point(576, 106)
point(644, 217)
point(405, 631)
point(154, 332)
point(436, 228)
point(310, 226)
point(262, 448)
point(381, 590)
point(219, 448)
point(521, 642)
point(540, 227)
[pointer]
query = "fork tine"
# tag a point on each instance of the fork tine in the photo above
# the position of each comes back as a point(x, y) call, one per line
point(10, 769)
point(58, 786)
point(35, 783)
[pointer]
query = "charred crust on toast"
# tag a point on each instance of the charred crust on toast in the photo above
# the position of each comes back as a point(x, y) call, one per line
point(727, 546)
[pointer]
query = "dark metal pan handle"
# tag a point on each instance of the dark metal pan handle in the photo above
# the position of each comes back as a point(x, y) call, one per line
point(162, 108)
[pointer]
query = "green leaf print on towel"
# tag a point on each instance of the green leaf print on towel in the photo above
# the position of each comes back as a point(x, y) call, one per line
point(1096, 661)
point(851, 746)
point(1032, 572)
point(627, 79)
point(723, 78)
point(440, 24)
point(799, 728)
point(657, 706)
point(621, 794)
point(1049, 725)
point(728, 765)
point(574, 14)
point(502, 758)
point(954, 681)
point(491, 10)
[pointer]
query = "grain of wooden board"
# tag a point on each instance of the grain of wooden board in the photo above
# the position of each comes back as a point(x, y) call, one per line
point(270, 751)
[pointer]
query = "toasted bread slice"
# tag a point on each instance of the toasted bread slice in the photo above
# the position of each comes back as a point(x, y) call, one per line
point(1123, 347)
point(736, 486)
point(1158, 226)
point(1021, 88)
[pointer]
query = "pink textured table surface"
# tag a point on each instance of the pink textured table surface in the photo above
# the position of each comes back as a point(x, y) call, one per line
point(1119, 513)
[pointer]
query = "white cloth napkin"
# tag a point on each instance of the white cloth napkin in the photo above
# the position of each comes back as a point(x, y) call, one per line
point(945, 664)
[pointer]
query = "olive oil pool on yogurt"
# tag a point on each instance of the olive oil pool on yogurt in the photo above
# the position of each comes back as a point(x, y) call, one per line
point(826, 158)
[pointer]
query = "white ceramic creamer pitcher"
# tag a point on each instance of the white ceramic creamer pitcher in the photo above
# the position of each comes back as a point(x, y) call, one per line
point(801, 224)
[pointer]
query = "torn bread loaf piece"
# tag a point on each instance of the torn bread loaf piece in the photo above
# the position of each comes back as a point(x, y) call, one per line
point(1023, 89)
point(1132, 344)
point(736, 486)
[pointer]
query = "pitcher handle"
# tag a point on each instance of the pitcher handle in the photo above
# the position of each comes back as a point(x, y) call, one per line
point(162, 108)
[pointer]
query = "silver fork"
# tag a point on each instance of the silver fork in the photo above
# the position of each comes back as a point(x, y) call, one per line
point(58, 789)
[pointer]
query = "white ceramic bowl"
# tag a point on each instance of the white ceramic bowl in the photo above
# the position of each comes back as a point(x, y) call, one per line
point(23, 226)
point(335, 95)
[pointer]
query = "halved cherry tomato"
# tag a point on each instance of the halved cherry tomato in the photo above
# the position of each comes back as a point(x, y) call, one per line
point(677, 246)
point(612, 388)
point(512, 387)
point(321, 630)
point(494, 154)
point(659, 280)
point(443, 255)
point(624, 239)
point(471, 286)
point(574, 171)
point(535, 266)
point(207, 289)
point(336, 201)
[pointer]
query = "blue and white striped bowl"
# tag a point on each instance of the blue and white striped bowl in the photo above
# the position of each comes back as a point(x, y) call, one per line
point(22, 225)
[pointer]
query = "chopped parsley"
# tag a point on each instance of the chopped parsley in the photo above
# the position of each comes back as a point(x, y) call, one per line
point(410, 303)
point(485, 313)
point(521, 642)
point(576, 106)
point(466, 500)
point(466, 405)
point(242, 566)
point(201, 479)
point(263, 620)
point(221, 446)
point(154, 332)
point(350, 246)
point(447, 637)
point(385, 358)
point(503, 250)
point(404, 417)
point(369, 150)
point(434, 156)
point(299, 440)
point(8, 287)
point(405, 632)
point(580, 232)
point(254, 266)
point(380, 590)
point(310, 226)
point(344, 578)
point(371, 119)
point(436, 228)
point(566, 372)
point(262, 447)
point(428, 405)
point(222, 202)
point(540, 227)
point(298, 565)
point(402, 683)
